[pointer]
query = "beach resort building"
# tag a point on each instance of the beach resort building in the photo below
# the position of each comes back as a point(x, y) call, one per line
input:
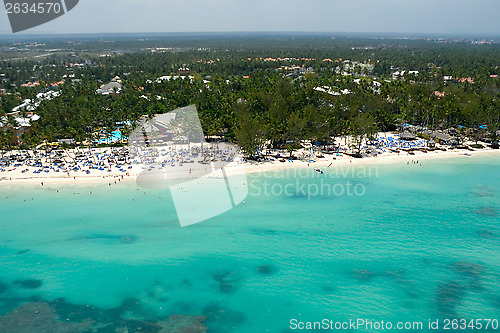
point(400, 74)
point(443, 138)
point(17, 125)
point(160, 129)
point(29, 105)
point(293, 70)
point(113, 87)
point(21, 118)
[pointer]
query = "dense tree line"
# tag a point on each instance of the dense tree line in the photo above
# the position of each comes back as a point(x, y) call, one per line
point(251, 101)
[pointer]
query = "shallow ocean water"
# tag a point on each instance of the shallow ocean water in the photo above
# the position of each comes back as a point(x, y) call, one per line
point(411, 243)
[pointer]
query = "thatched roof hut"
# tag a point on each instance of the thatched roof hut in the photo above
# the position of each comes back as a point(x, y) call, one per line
point(407, 135)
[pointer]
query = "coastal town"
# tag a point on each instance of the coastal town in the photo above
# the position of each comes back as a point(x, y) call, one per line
point(312, 109)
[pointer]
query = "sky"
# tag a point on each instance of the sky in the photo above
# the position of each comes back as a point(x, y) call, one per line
point(463, 17)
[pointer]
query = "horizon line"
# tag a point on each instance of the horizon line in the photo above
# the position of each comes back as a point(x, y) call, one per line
point(359, 33)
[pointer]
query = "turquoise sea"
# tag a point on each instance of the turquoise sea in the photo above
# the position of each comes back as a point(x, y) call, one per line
point(410, 243)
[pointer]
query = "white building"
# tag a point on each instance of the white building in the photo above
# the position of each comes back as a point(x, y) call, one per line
point(113, 87)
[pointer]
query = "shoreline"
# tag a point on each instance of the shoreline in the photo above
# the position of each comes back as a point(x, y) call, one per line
point(13, 178)
point(373, 161)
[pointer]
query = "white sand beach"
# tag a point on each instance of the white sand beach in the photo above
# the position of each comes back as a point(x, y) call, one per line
point(108, 166)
